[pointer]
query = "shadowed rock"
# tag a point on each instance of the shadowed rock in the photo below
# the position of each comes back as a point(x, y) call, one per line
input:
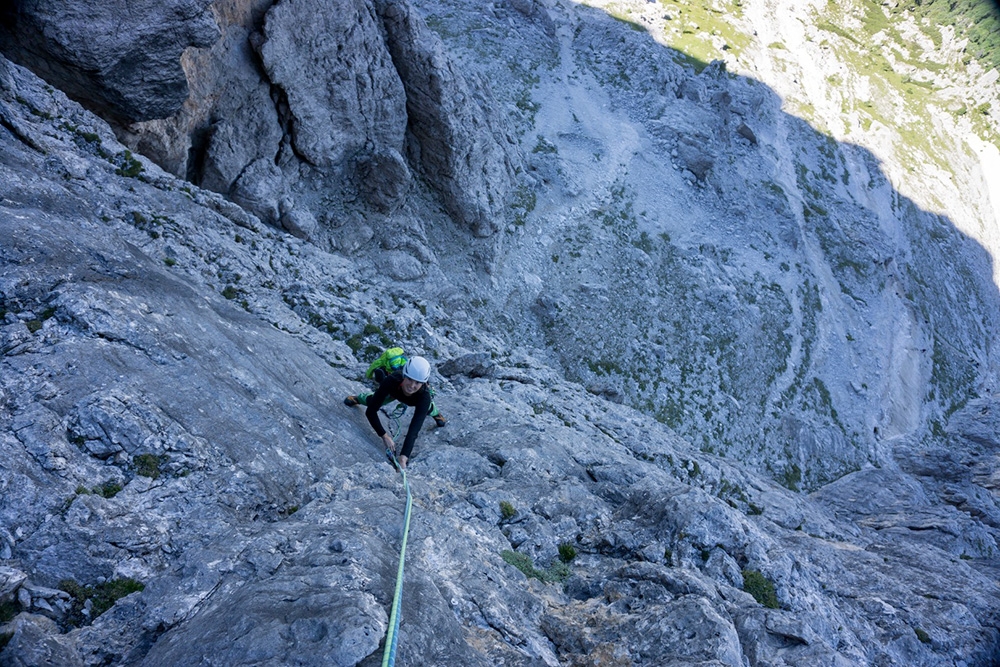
point(120, 58)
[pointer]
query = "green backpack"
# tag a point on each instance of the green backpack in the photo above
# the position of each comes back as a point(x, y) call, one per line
point(389, 362)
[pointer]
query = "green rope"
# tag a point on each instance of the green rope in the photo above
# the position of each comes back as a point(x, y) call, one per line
point(394, 417)
point(392, 635)
point(391, 638)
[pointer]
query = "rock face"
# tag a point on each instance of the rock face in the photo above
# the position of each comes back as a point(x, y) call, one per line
point(125, 65)
point(358, 93)
point(719, 400)
point(461, 145)
point(332, 62)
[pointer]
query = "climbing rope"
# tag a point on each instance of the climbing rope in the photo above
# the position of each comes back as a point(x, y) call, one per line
point(392, 636)
point(394, 417)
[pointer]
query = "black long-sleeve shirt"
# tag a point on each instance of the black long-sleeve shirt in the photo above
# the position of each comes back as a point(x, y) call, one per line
point(391, 388)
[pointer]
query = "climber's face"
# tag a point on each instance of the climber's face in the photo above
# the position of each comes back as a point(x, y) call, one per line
point(410, 386)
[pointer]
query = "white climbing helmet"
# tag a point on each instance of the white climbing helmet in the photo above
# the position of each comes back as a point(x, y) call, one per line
point(417, 369)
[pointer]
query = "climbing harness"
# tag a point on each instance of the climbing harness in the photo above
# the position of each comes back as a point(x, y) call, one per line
point(392, 636)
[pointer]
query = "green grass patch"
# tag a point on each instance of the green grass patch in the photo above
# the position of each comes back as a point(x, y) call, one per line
point(558, 573)
point(704, 31)
point(545, 146)
point(837, 30)
point(623, 17)
point(102, 597)
point(761, 588)
point(109, 489)
point(148, 465)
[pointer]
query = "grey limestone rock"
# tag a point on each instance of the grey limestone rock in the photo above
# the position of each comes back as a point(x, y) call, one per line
point(260, 189)
point(477, 364)
point(120, 58)
point(298, 221)
point(462, 146)
point(10, 580)
point(536, 11)
point(36, 640)
point(383, 178)
point(343, 91)
point(802, 470)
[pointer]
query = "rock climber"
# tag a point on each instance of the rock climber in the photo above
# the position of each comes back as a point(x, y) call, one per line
point(409, 387)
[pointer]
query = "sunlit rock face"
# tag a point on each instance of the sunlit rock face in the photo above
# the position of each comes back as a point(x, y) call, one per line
point(711, 313)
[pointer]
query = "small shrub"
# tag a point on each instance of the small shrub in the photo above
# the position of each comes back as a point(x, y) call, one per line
point(922, 635)
point(520, 561)
point(507, 510)
point(148, 465)
point(761, 588)
point(5, 639)
point(82, 490)
point(169, 261)
point(128, 166)
point(567, 552)
point(102, 597)
point(557, 573)
point(33, 325)
point(523, 202)
point(230, 292)
point(108, 489)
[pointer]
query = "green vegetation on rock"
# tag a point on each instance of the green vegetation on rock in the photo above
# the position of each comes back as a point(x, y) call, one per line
point(102, 597)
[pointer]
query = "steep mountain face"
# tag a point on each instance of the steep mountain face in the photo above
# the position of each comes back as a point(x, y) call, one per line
point(709, 291)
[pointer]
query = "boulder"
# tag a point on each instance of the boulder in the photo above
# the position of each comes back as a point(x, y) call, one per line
point(382, 178)
point(477, 364)
point(36, 641)
point(10, 580)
